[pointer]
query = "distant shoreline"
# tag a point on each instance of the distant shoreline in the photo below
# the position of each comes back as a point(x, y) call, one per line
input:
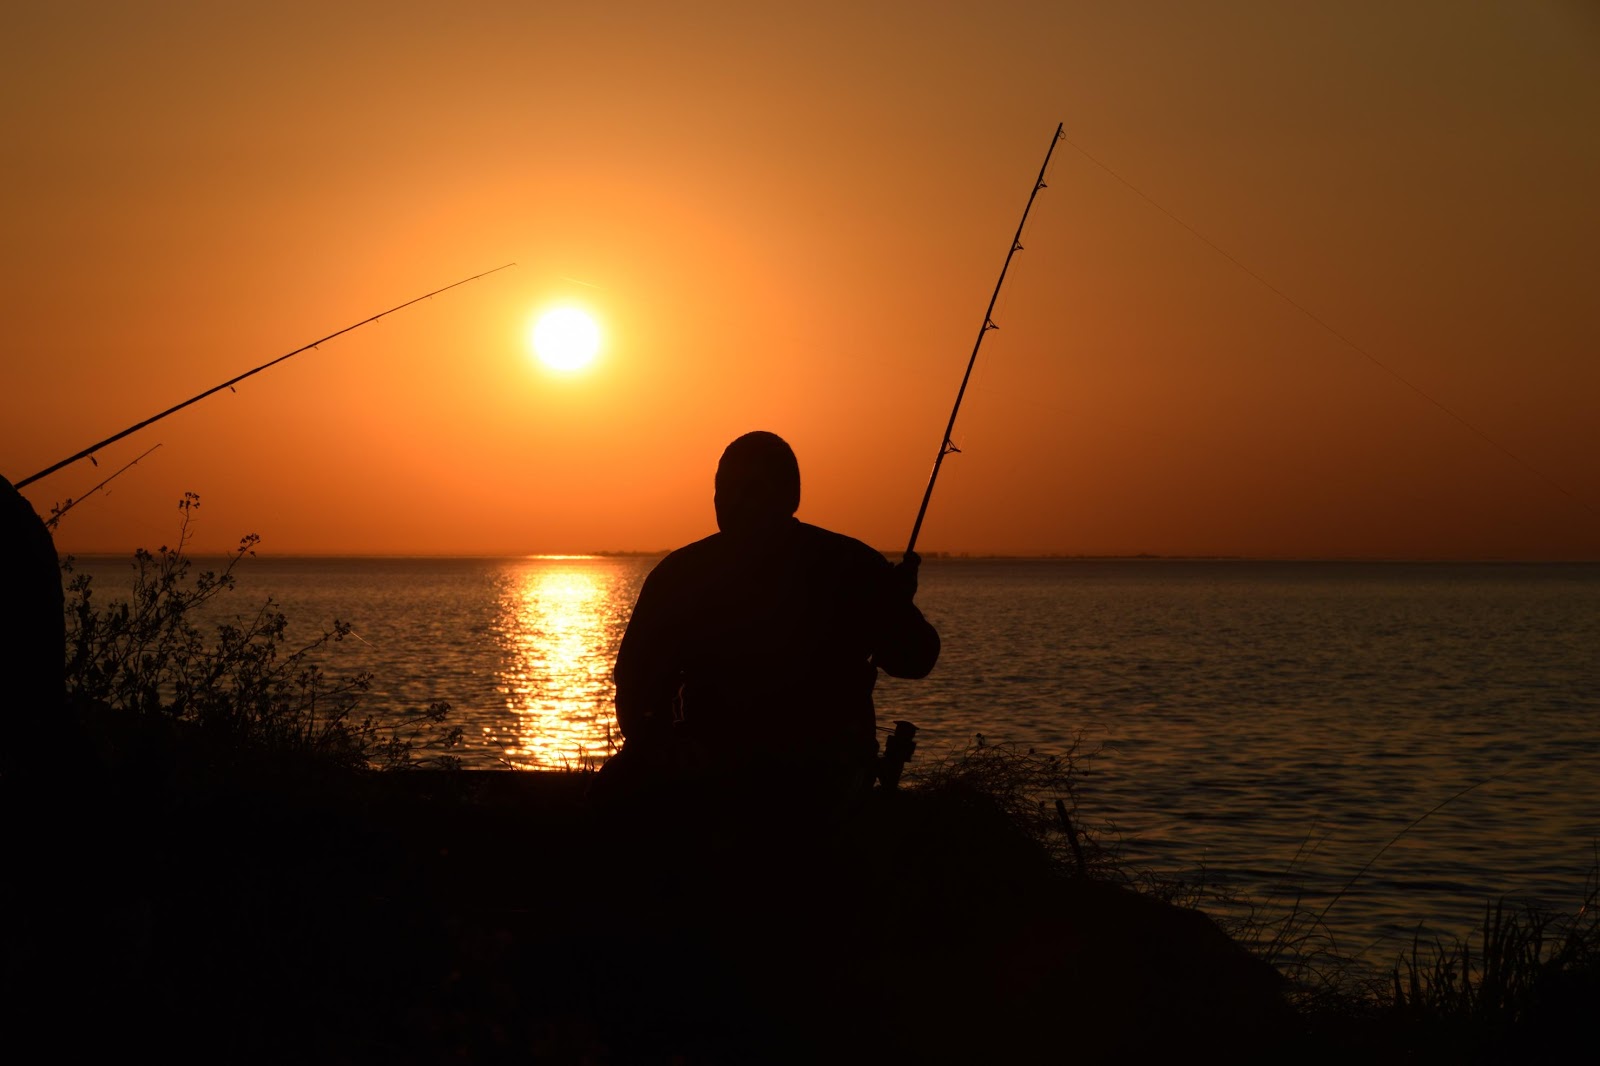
point(927, 557)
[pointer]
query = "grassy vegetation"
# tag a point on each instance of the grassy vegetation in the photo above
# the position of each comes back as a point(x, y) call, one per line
point(1523, 988)
point(243, 683)
point(1526, 987)
point(1034, 791)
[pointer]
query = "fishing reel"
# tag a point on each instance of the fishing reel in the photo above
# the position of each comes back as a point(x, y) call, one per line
point(898, 748)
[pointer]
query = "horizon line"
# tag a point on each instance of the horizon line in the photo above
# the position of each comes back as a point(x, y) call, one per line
point(927, 556)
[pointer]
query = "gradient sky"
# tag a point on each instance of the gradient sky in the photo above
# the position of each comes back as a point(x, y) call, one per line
point(792, 220)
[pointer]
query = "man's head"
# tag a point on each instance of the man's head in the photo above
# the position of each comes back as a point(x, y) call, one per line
point(758, 483)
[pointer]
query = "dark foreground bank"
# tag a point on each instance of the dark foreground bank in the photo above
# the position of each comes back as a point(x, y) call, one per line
point(184, 900)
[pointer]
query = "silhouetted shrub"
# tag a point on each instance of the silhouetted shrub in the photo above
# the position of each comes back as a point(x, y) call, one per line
point(1034, 790)
point(243, 682)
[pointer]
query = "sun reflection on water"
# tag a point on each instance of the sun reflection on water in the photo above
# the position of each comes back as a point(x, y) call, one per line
point(560, 620)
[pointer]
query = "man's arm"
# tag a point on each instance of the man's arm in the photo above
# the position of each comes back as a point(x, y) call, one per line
point(645, 675)
point(907, 644)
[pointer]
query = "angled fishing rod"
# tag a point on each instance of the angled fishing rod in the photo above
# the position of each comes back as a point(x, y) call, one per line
point(88, 452)
point(945, 447)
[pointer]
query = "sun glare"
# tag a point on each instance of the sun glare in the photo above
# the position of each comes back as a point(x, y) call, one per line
point(565, 339)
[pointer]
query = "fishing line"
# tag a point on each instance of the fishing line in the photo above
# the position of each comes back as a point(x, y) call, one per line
point(1395, 839)
point(1336, 334)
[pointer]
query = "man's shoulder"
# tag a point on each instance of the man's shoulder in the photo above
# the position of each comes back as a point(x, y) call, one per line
point(822, 546)
point(690, 555)
point(826, 541)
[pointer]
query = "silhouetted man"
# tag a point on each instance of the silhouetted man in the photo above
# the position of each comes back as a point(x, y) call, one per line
point(33, 653)
point(751, 655)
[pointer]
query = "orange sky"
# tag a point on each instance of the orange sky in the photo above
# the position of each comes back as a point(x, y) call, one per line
point(793, 222)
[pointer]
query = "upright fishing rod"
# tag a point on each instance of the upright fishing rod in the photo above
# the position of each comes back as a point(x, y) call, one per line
point(945, 447)
point(89, 451)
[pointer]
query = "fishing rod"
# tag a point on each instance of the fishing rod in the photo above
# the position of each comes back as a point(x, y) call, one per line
point(58, 513)
point(945, 446)
point(88, 453)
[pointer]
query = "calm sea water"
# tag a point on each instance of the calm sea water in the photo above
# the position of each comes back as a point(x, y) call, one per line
point(1273, 727)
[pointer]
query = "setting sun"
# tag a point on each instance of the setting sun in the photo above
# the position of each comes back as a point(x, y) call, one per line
point(565, 338)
